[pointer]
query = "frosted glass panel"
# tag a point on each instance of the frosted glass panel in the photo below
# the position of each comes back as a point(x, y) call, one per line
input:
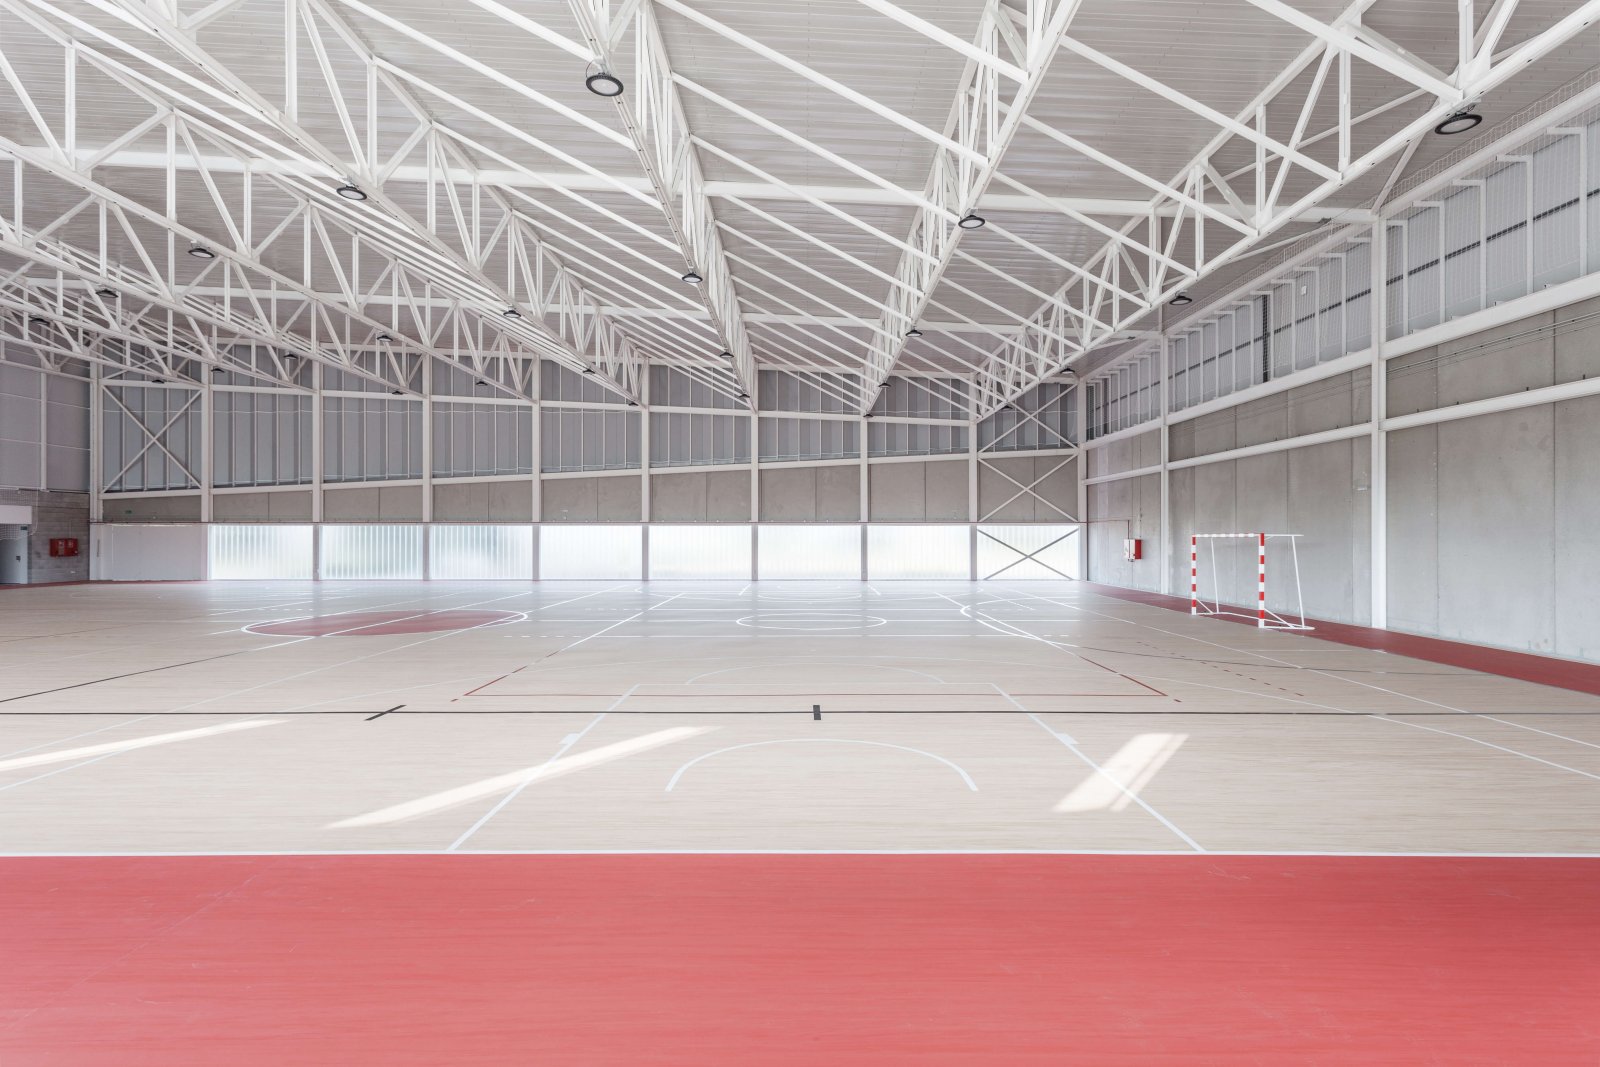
point(372, 551)
point(261, 552)
point(1043, 551)
point(809, 552)
point(476, 551)
point(709, 551)
point(600, 552)
point(919, 552)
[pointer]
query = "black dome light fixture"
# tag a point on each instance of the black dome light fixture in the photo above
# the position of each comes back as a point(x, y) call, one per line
point(105, 292)
point(913, 332)
point(512, 313)
point(972, 221)
point(351, 191)
point(1181, 300)
point(1462, 121)
point(384, 339)
point(588, 370)
point(480, 382)
point(692, 276)
point(603, 83)
point(201, 252)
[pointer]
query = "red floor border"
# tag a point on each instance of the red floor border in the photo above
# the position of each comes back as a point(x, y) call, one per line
point(1486, 659)
point(1110, 961)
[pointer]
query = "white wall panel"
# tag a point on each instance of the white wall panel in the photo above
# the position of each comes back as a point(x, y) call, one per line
point(719, 550)
point(810, 551)
point(148, 553)
point(372, 551)
point(480, 552)
point(1032, 551)
point(605, 552)
point(919, 551)
point(261, 552)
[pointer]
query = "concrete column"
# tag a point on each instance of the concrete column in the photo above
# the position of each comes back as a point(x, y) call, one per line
point(644, 446)
point(317, 445)
point(1166, 496)
point(865, 504)
point(96, 460)
point(207, 451)
point(1378, 477)
point(1081, 406)
point(537, 450)
point(427, 441)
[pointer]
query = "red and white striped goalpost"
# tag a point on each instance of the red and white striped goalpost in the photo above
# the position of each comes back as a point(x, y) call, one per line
point(1265, 617)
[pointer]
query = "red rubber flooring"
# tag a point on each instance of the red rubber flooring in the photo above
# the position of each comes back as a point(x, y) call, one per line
point(815, 959)
point(1524, 666)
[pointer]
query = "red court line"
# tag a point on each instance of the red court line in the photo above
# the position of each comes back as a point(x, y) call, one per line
point(1523, 666)
point(798, 959)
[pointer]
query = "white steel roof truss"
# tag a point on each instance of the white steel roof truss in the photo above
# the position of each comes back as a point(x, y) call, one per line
point(1471, 80)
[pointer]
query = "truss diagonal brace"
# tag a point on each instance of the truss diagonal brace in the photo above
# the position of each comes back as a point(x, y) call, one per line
point(654, 116)
point(985, 126)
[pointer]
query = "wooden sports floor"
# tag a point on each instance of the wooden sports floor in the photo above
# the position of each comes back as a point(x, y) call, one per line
point(778, 823)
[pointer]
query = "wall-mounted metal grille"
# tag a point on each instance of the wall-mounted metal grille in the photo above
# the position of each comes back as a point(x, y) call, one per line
point(671, 387)
point(818, 391)
point(150, 438)
point(679, 439)
point(1126, 395)
point(1526, 221)
point(557, 382)
point(482, 439)
point(1043, 417)
point(784, 438)
point(1305, 315)
point(923, 398)
point(914, 439)
point(261, 438)
point(371, 440)
point(588, 439)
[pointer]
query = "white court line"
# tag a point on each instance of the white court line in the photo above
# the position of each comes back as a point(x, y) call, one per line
point(1486, 744)
point(1337, 677)
point(614, 625)
point(561, 750)
point(371, 655)
point(566, 742)
point(1072, 747)
point(294, 641)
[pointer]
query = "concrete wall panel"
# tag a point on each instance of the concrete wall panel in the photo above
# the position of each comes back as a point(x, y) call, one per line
point(1496, 529)
point(838, 494)
point(1577, 528)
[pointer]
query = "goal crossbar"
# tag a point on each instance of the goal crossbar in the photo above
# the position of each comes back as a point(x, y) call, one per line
point(1266, 618)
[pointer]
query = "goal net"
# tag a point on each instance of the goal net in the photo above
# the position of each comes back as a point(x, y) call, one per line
point(1227, 561)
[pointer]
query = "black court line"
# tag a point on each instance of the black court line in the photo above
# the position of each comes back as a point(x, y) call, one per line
point(134, 674)
point(381, 714)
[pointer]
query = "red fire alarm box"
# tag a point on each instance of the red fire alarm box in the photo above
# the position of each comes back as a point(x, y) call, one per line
point(1133, 548)
point(63, 546)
